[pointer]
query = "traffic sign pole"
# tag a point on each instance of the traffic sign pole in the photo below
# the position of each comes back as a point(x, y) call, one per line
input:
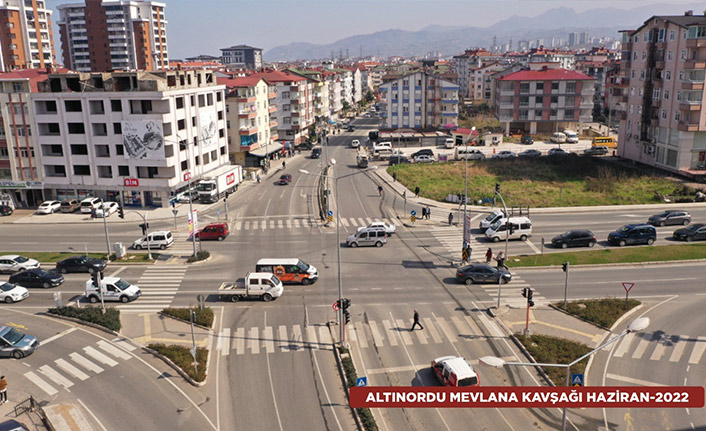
point(627, 287)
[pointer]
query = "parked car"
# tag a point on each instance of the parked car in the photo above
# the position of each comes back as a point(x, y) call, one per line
point(107, 209)
point(423, 158)
point(670, 217)
point(70, 205)
point(468, 153)
point(217, 231)
point(600, 150)
point(15, 343)
point(558, 138)
point(633, 234)
point(79, 264)
point(10, 293)
point(505, 154)
point(37, 278)
point(355, 143)
point(316, 153)
point(397, 160)
point(159, 239)
point(6, 210)
point(574, 238)
point(423, 152)
point(49, 207)
point(387, 227)
point(694, 232)
point(285, 179)
point(556, 152)
point(14, 263)
point(526, 140)
point(482, 273)
point(90, 204)
point(530, 153)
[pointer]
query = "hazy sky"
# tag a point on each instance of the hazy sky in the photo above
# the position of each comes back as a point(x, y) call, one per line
point(204, 26)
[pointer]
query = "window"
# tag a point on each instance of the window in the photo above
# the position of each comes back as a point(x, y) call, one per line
point(116, 105)
point(179, 102)
point(209, 99)
point(96, 107)
point(82, 170)
point(119, 150)
point(202, 101)
point(117, 129)
point(666, 94)
point(219, 96)
point(683, 54)
point(660, 37)
point(554, 99)
point(634, 55)
point(664, 114)
point(633, 74)
point(644, 55)
point(76, 128)
point(656, 94)
point(571, 87)
point(123, 171)
point(524, 87)
point(668, 75)
point(642, 75)
point(181, 124)
point(677, 115)
point(669, 55)
point(671, 35)
point(555, 85)
point(540, 86)
point(100, 129)
point(568, 113)
point(80, 150)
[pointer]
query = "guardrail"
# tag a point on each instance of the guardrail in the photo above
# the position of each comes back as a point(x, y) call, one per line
point(30, 405)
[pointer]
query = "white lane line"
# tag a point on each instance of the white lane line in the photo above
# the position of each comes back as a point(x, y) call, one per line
point(43, 385)
point(699, 347)
point(95, 354)
point(632, 380)
point(124, 344)
point(64, 365)
point(85, 363)
point(115, 274)
point(55, 376)
point(445, 329)
point(59, 335)
point(239, 344)
point(113, 350)
point(268, 339)
point(284, 346)
point(461, 326)
point(532, 246)
point(311, 341)
point(344, 222)
point(402, 330)
point(369, 220)
point(429, 325)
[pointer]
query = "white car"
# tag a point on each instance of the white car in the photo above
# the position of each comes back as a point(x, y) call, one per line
point(160, 239)
point(355, 143)
point(388, 228)
point(504, 155)
point(15, 263)
point(49, 207)
point(10, 293)
point(107, 209)
point(423, 158)
point(114, 289)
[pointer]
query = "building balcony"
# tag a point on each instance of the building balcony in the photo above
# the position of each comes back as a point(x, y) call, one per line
point(271, 95)
point(249, 130)
point(274, 137)
point(273, 108)
point(273, 123)
point(247, 99)
point(694, 64)
point(659, 64)
point(690, 105)
point(695, 43)
point(247, 114)
point(688, 126)
point(295, 113)
point(656, 103)
point(295, 101)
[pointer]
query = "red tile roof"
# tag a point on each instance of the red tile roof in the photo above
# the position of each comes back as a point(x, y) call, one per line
point(34, 75)
point(463, 131)
point(241, 81)
point(278, 76)
point(546, 75)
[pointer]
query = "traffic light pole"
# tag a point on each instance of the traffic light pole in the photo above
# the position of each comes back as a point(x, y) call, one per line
point(566, 283)
point(107, 235)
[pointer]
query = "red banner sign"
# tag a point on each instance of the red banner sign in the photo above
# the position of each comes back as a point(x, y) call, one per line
point(131, 182)
point(187, 176)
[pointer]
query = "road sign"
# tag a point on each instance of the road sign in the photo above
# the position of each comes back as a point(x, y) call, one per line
point(628, 286)
point(467, 228)
point(330, 218)
point(413, 218)
point(187, 176)
point(361, 381)
point(218, 211)
point(175, 212)
point(413, 212)
point(330, 213)
point(577, 379)
point(335, 306)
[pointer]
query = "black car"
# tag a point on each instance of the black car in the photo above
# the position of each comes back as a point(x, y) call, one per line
point(37, 278)
point(695, 232)
point(79, 264)
point(285, 179)
point(422, 152)
point(574, 238)
point(5, 210)
point(670, 217)
point(633, 234)
point(397, 160)
point(350, 129)
point(526, 140)
point(482, 273)
point(316, 153)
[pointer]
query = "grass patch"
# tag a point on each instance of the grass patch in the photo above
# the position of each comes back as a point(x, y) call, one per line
point(53, 256)
point(200, 255)
point(366, 416)
point(613, 255)
point(181, 356)
point(604, 312)
point(135, 258)
point(203, 317)
point(110, 320)
point(542, 182)
point(553, 350)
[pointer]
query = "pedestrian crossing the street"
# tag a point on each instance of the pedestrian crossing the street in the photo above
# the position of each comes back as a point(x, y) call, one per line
point(659, 346)
point(79, 366)
point(159, 284)
point(511, 294)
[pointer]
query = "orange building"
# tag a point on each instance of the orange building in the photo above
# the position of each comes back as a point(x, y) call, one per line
point(26, 39)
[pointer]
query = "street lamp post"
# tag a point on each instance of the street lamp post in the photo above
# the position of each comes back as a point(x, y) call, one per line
point(342, 333)
point(636, 325)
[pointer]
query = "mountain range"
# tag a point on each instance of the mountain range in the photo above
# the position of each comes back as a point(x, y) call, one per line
point(452, 40)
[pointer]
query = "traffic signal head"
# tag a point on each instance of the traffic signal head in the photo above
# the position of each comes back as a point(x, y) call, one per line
point(530, 294)
point(347, 316)
point(497, 187)
point(565, 266)
point(524, 292)
point(531, 303)
point(121, 212)
point(345, 303)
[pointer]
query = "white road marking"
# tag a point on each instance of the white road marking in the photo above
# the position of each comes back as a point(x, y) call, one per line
point(59, 335)
point(268, 339)
point(297, 339)
point(640, 349)
point(377, 339)
point(632, 380)
point(55, 376)
point(699, 347)
point(99, 356)
point(624, 345)
point(679, 347)
point(311, 337)
point(113, 350)
point(253, 341)
point(64, 365)
point(659, 350)
point(284, 346)
point(428, 325)
point(324, 337)
point(390, 335)
point(445, 329)
point(85, 363)
point(402, 331)
point(239, 344)
point(43, 385)
point(360, 335)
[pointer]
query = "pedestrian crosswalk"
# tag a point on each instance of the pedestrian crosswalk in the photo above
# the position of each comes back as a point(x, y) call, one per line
point(511, 294)
point(298, 223)
point(159, 284)
point(182, 244)
point(659, 346)
point(451, 239)
point(80, 366)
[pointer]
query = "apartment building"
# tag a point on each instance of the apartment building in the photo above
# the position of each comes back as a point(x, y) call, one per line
point(295, 105)
point(139, 136)
point(321, 91)
point(102, 36)
point(464, 64)
point(26, 39)
point(616, 93)
point(480, 81)
point(565, 59)
point(250, 119)
point(242, 56)
point(544, 101)
point(419, 100)
point(334, 82)
point(664, 61)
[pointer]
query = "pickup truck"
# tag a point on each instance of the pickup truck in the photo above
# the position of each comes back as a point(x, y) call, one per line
point(255, 284)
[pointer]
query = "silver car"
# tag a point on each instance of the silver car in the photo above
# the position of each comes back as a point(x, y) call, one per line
point(16, 344)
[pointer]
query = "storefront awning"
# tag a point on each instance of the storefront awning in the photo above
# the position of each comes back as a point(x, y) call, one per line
point(266, 150)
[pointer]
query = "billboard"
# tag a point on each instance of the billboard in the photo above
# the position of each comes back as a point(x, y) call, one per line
point(209, 128)
point(143, 139)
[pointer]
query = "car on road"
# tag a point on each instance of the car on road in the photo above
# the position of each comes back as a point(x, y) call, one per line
point(505, 154)
point(530, 153)
point(114, 289)
point(217, 231)
point(284, 180)
point(574, 238)
point(16, 344)
point(526, 140)
point(107, 209)
point(670, 217)
point(454, 371)
point(558, 138)
point(355, 143)
point(350, 129)
point(316, 153)
point(387, 227)
point(468, 153)
point(422, 152)
point(365, 236)
point(183, 197)
point(556, 152)
point(695, 232)
point(398, 160)
point(6, 210)
point(70, 205)
point(633, 234)
point(14, 263)
point(10, 293)
point(79, 264)
point(600, 150)
point(37, 278)
point(49, 207)
point(490, 219)
point(482, 273)
point(423, 158)
point(159, 239)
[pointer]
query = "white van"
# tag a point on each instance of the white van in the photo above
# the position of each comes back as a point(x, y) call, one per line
point(114, 289)
point(449, 143)
point(521, 228)
point(367, 236)
point(558, 138)
point(491, 219)
point(382, 146)
point(571, 137)
point(468, 153)
point(454, 371)
point(159, 239)
point(89, 204)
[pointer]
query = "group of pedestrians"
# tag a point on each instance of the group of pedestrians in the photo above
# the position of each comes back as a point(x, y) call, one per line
point(426, 213)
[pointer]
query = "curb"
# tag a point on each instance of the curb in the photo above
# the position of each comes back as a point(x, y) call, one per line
point(162, 313)
point(210, 255)
point(83, 322)
point(342, 374)
point(176, 368)
point(602, 265)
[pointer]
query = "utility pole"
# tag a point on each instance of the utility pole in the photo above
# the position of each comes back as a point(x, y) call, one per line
point(193, 341)
point(105, 227)
point(565, 267)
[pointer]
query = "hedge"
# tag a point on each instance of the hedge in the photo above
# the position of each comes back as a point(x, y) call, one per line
point(200, 255)
point(554, 350)
point(110, 320)
point(181, 356)
point(203, 317)
point(366, 416)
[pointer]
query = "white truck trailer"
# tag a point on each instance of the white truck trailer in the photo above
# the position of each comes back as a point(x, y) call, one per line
point(216, 183)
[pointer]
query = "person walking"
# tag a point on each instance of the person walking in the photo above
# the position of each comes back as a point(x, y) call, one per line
point(488, 255)
point(284, 164)
point(258, 178)
point(416, 321)
point(428, 213)
point(424, 212)
point(451, 218)
point(501, 260)
point(416, 192)
point(380, 190)
point(3, 389)
point(394, 177)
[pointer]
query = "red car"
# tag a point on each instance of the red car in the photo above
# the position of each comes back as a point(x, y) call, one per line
point(217, 231)
point(285, 179)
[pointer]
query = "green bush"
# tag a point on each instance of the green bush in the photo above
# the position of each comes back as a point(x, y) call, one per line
point(554, 350)
point(604, 312)
point(181, 356)
point(200, 255)
point(201, 317)
point(366, 416)
point(110, 320)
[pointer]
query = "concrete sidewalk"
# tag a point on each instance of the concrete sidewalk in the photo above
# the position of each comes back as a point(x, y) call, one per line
point(146, 328)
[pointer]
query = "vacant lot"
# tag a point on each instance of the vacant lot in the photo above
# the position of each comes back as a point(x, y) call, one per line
point(543, 182)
